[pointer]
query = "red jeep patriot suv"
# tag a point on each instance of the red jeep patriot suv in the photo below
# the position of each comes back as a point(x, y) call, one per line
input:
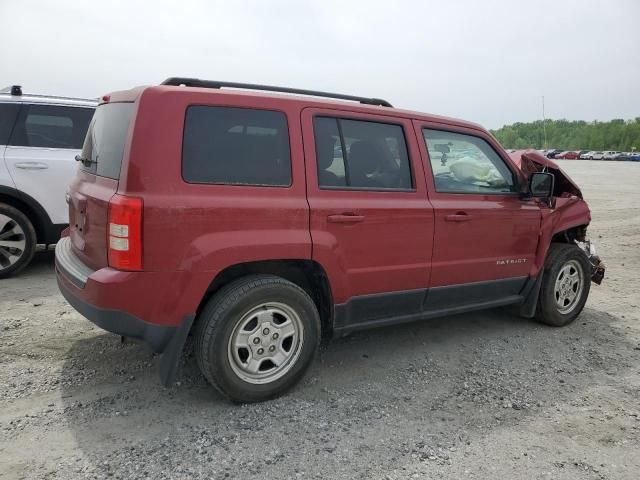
point(258, 222)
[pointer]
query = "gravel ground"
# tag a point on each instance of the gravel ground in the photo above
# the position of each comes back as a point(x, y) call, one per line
point(481, 395)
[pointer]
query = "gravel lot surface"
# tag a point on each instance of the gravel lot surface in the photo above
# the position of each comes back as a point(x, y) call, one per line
point(481, 395)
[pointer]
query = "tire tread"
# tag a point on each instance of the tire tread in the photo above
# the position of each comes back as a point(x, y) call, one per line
point(545, 313)
point(211, 318)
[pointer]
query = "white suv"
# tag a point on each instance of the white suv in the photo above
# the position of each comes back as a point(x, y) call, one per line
point(39, 139)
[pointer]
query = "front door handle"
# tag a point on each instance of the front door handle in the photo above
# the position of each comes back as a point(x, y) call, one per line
point(32, 166)
point(458, 217)
point(345, 218)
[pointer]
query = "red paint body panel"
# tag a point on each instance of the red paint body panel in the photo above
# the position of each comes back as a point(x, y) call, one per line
point(191, 232)
point(161, 298)
point(89, 197)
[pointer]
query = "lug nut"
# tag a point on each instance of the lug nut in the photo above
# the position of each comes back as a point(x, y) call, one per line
point(260, 351)
point(265, 331)
point(275, 336)
point(256, 340)
point(272, 348)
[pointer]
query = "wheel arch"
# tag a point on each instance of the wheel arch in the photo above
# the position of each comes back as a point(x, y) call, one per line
point(564, 235)
point(307, 274)
point(570, 234)
point(36, 214)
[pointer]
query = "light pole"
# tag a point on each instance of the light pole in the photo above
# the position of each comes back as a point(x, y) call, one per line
point(544, 128)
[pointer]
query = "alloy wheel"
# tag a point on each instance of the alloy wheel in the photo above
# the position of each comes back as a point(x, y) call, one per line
point(265, 343)
point(568, 286)
point(13, 242)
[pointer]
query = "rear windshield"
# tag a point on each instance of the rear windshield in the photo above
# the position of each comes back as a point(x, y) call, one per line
point(104, 145)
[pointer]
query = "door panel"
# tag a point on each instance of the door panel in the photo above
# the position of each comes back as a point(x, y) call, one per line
point(44, 174)
point(369, 240)
point(499, 241)
point(478, 236)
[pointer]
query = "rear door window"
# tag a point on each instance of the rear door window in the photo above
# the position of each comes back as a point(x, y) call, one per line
point(236, 146)
point(361, 154)
point(105, 141)
point(8, 114)
point(51, 126)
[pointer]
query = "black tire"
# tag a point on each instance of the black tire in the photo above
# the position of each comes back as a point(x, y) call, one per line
point(7, 268)
point(562, 255)
point(222, 315)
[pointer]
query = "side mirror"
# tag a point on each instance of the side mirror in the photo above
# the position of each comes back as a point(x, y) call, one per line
point(541, 185)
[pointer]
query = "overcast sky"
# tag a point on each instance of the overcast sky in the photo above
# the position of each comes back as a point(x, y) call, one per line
point(489, 61)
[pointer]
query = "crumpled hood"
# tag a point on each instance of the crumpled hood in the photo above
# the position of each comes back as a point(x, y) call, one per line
point(531, 161)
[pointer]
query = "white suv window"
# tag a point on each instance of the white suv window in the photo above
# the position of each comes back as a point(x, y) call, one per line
point(8, 113)
point(51, 126)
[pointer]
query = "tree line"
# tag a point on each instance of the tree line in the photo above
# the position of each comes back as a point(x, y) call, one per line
point(618, 134)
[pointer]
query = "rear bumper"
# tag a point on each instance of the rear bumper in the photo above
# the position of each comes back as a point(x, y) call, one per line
point(150, 306)
point(117, 321)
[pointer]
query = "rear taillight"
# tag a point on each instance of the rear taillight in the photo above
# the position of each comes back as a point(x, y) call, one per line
point(124, 234)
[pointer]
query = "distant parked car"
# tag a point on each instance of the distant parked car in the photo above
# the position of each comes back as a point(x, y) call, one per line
point(628, 156)
point(588, 155)
point(635, 157)
point(553, 153)
point(597, 156)
point(569, 155)
point(611, 155)
point(582, 152)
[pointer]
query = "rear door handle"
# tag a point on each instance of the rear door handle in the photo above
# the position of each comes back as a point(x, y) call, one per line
point(345, 218)
point(458, 217)
point(32, 166)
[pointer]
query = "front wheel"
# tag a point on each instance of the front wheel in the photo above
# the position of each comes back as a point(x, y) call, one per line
point(256, 337)
point(565, 285)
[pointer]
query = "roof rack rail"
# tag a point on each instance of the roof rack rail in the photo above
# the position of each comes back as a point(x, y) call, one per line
point(196, 82)
point(16, 90)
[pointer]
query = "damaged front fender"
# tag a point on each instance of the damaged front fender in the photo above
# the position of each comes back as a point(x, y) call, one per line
point(566, 216)
point(530, 161)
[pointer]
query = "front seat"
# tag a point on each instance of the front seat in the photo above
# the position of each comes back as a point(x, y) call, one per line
point(363, 160)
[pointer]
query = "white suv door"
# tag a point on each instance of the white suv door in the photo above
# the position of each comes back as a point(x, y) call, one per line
point(41, 153)
point(8, 114)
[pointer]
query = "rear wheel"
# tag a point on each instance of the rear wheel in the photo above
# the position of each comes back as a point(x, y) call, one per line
point(17, 240)
point(256, 337)
point(565, 285)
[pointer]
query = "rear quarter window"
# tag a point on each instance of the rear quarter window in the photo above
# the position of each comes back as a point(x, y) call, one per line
point(236, 146)
point(105, 141)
